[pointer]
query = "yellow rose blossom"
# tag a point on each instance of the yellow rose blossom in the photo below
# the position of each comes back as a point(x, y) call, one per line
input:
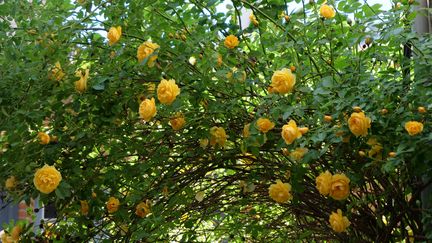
point(264, 125)
point(246, 130)
point(113, 54)
point(219, 60)
point(323, 183)
point(10, 183)
point(81, 84)
point(283, 81)
point(359, 123)
point(16, 232)
point(328, 118)
point(43, 138)
point(147, 109)
point(327, 11)
point(376, 148)
point(218, 136)
point(56, 72)
point(6, 238)
point(421, 109)
point(280, 192)
point(339, 189)
point(112, 205)
point(203, 143)
point(298, 153)
point(145, 50)
point(177, 122)
point(84, 207)
point(413, 127)
point(253, 20)
point(114, 35)
point(231, 41)
point(142, 209)
point(303, 130)
point(167, 91)
point(47, 179)
point(290, 132)
point(338, 222)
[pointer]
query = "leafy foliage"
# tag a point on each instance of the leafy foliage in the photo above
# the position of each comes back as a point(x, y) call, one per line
point(104, 149)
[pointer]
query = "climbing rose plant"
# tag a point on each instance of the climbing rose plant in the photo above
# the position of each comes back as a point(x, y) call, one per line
point(177, 121)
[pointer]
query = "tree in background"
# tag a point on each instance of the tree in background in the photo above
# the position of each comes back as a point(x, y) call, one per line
point(181, 126)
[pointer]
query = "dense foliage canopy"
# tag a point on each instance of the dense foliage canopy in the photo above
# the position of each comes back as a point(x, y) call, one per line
point(173, 121)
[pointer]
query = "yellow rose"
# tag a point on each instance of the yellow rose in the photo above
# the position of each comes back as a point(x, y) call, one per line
point(376, 149)
point(15, 233)
point(339, 189)
point(203, 143)
point(43, 138)
point(113, 54)
point(147, 109)
point(56, 72)
point(84, 207)
point(81, 84)
point(142, 209)
point(280, 192)
point(47, 179)
point(253, 20)
point(413, 127)
point(265, 125)
point(338, 222)
point(219, 60)
point(246, 130)
point(421, 109)
point(114, 35)
point(6, 238)
point(359, 123)
point(167, 91)
point(303, 130)
point(218, 136)
point(327, 11)
point(328, 118)
point(177, 122)
point(231, 41)
point(283, 81)
point(112, 205)
point(145, 50)
point(290, 132)
point(10, 183)
point(298, 153)
point(323, 183)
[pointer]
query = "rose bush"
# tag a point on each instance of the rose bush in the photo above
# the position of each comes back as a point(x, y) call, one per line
point(176, 121)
